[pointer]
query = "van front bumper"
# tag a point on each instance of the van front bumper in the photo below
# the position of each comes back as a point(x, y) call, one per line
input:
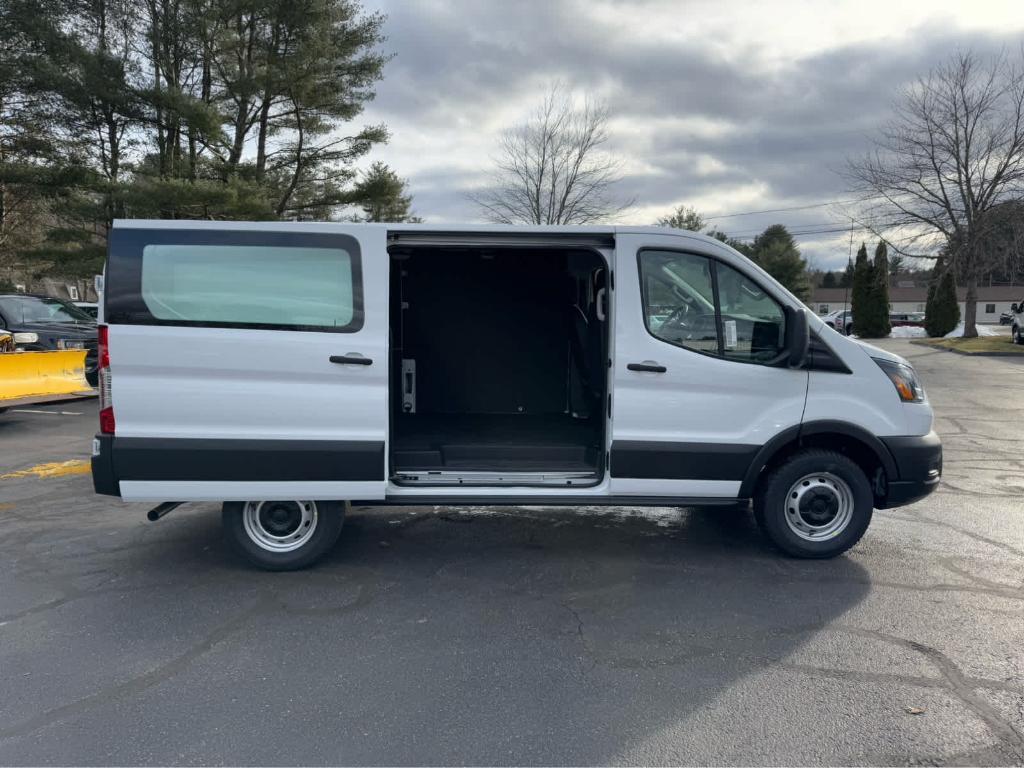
point(919, 466)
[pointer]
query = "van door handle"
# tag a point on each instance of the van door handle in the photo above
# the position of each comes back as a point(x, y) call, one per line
point(351, 360)
point(647, 367)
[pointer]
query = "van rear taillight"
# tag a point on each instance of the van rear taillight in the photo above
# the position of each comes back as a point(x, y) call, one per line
point(103, 366)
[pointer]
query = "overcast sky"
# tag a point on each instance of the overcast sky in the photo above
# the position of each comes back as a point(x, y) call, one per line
point(727, 106)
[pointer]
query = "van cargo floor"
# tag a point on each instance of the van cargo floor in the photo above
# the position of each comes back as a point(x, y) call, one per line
point(494, 442)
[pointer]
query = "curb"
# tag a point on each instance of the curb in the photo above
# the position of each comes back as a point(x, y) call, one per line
point(919, 343)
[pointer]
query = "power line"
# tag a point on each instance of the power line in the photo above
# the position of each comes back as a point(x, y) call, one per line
point(801, 234)
point(781, 210)
point(794, 208)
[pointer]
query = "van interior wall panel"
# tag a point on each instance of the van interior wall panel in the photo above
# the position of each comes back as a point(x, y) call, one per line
point(480, 329)
point(508, 359)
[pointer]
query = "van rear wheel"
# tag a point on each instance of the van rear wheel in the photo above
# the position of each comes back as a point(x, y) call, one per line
point(282, 535)
point(816, 504)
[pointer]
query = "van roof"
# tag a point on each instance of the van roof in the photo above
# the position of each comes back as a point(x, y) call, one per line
point(418, 229)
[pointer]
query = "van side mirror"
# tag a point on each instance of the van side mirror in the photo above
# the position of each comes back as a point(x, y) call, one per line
point(798, 336)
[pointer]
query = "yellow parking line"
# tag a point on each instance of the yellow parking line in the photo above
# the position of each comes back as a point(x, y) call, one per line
point(53, 469)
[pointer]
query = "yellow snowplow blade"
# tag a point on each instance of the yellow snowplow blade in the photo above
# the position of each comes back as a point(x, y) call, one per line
point(40, 377)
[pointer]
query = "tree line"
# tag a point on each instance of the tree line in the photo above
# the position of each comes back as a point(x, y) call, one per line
point(204, 109)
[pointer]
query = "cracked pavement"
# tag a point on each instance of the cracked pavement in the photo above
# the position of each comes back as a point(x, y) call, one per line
point(526, 636)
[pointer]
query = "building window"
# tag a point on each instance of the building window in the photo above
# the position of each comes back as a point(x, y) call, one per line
point(920, 308)
point(823, 309)
point(990, 309)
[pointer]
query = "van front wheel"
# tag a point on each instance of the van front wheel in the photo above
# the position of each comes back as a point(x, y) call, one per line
point(816, 504)
point(282, 535)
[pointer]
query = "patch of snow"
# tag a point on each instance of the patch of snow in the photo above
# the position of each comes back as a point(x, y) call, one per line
point(983, 330)
point(908, 332)
point(913, 332)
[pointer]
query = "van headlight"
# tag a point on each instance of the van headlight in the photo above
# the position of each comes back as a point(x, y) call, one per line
point(904, 378)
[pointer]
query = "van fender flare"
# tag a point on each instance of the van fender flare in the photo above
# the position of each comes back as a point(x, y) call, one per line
point(794, 435)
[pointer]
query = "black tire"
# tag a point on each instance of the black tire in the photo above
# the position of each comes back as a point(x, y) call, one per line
point(772, 498)
point(329, 517)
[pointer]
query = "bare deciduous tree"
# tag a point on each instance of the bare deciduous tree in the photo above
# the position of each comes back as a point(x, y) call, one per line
point(947, 165)
point(552, 169)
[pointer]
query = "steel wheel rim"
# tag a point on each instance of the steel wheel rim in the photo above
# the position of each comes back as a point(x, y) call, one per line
point(280, 526)
point(819, 506)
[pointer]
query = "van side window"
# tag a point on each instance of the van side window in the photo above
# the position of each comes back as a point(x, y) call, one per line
point(701, 304)
point(753, 323)
point(249, 284)
point(679, 301)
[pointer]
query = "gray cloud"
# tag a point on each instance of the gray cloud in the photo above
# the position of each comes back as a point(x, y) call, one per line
point(785, 129)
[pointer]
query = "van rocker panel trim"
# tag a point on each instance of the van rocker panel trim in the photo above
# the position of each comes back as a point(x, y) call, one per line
point(661, 460)
point(187, 459)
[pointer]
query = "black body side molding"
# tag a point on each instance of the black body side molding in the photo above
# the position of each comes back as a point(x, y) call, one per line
point(657, 460)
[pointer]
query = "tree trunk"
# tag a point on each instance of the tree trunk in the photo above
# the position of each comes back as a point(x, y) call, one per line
point(261, 143)
point(971, 308)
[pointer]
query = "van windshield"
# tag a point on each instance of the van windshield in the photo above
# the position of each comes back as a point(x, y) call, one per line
point(41, 309)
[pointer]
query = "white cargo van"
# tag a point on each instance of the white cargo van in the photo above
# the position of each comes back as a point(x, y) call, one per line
point(286, 368)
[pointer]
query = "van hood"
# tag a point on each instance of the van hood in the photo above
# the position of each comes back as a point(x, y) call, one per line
point(870, 349)
point(879, 353)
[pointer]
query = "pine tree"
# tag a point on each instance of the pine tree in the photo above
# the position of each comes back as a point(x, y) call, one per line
point(881, 326)
point(942, 312)
point(846, 279)
point(860, 299)
point(208, 109)
point(828, 280)
point(382, 195)
point(775, 251)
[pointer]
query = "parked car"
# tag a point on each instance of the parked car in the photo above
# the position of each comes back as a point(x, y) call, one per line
point(915, 319)
point(841, 320)
point(43, 322)
point(91, 308)
point(1017, 323)
point(285, 369)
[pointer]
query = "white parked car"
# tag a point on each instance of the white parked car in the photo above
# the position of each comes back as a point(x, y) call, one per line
point(285, 368)
point(841, 320)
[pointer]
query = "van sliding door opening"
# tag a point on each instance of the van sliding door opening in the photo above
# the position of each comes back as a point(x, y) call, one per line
point(499, 366)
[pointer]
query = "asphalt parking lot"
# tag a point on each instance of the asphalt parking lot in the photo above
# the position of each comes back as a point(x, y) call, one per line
point(519, 636)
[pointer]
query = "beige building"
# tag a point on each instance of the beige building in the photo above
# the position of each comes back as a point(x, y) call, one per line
point(992, 300)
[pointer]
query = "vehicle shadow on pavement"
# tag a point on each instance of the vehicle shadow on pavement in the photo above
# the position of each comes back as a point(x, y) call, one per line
point(429, 635)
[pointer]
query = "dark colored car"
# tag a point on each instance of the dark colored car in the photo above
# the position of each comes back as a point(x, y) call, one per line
point(55, 323)
point(915, 319)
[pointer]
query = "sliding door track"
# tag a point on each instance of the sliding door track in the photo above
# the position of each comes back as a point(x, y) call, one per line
point(464, 478)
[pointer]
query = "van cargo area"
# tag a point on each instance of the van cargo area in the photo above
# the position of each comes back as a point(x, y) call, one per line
point(499, 366)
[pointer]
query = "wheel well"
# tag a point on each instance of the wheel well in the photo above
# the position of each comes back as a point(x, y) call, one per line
point(862, 454)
